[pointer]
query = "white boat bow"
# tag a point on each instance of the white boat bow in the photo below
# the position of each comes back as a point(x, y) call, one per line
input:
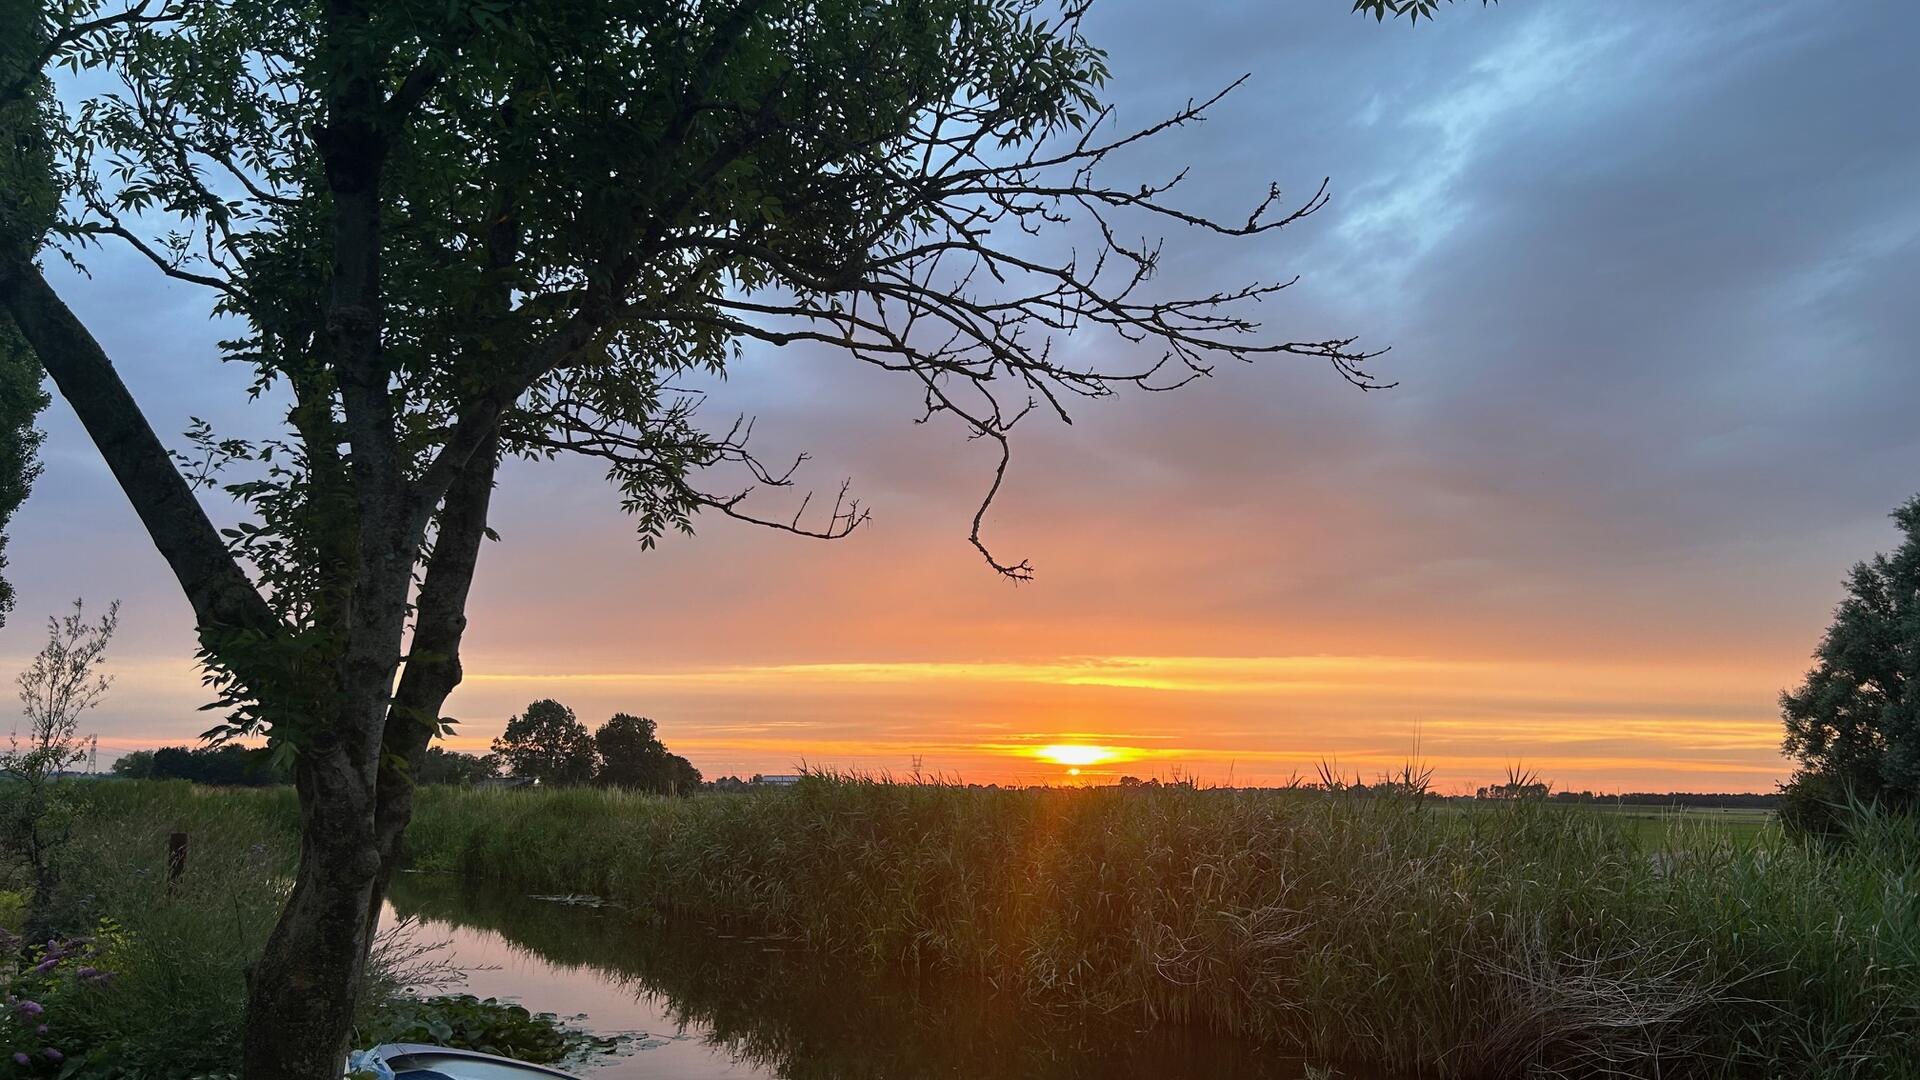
point(422, 1061)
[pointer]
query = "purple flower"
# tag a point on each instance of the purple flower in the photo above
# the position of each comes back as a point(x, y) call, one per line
point(30, 1008)
point(88, 973)
point(46, 965)
point(22, 1060)
point(53, 1055)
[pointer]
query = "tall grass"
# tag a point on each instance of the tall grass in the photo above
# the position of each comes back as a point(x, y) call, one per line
point(178, 947)
point(178, 951)
point(1394, 932)
point(1387, 933)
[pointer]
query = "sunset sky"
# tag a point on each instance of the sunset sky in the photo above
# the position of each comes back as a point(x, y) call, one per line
point(1648, 271)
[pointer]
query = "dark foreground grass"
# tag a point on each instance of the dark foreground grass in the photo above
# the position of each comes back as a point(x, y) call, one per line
point(1379, 934)
point(170, 953)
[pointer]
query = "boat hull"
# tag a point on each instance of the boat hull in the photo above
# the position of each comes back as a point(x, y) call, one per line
point(438, 1062)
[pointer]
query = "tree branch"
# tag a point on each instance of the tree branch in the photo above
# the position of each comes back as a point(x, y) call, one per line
point(222, 597)
point(71, 35)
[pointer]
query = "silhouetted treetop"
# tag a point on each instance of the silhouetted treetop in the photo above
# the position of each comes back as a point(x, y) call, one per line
point(632, 756)
point(546, 743)
point(1855, 720)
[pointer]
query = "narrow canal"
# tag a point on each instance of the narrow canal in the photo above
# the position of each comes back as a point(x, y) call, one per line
point(695, 1003)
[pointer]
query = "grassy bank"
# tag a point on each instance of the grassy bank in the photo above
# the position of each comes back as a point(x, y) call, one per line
point(148, 978)
point(177, 952)
point(1388, 934)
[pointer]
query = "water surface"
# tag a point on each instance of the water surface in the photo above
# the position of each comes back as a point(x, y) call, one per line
point(704, 1004)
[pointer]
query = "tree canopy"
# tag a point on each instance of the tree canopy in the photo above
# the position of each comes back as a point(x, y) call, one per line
point(234, 765)
point(227, 765)
point(632, 756)
point(547, 744)
point(21, 400)
point(28, 202)
point(1854, 723)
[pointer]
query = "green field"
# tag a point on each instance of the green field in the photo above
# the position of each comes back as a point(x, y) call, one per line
point(1662, 825)
point(1654, 824)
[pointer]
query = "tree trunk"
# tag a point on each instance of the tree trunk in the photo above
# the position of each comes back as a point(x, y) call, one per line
point(355, 806)
point(223, 599)
point(433, 664)
point(301, 995)
point(300, 998)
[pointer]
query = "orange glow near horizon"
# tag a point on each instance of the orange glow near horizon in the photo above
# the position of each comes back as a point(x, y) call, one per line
point(1077, 755)
point(1220, 719)
point(1240, 720)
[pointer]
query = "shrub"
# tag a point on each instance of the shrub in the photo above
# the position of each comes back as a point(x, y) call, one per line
point(1815, 806)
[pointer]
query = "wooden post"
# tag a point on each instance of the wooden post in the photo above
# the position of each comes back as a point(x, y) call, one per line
point(176, 860)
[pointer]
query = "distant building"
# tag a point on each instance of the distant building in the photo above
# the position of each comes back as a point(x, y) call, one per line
point(778, 780)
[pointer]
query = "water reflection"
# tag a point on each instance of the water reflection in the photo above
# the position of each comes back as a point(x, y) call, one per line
point(738, 1006)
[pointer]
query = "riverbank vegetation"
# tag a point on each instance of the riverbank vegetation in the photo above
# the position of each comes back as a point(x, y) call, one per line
point(1375, 933)
point(146, 974)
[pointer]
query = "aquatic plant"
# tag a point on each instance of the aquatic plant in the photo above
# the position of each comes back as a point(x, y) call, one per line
point(488, 1025)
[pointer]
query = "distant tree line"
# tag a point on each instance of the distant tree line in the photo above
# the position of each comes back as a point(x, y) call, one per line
point(549, 745)
point(546, 744)
point(1704, 800)
point(235, 765)
point(226, 765)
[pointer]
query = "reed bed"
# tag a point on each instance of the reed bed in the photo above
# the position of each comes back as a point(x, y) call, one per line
point(1387, 934)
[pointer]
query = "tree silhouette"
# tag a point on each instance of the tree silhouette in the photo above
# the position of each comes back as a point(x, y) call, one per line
point(632, 756)
point(1854, 722)
point(547, 744)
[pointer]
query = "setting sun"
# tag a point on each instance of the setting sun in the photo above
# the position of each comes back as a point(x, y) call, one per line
point(1075, 755)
